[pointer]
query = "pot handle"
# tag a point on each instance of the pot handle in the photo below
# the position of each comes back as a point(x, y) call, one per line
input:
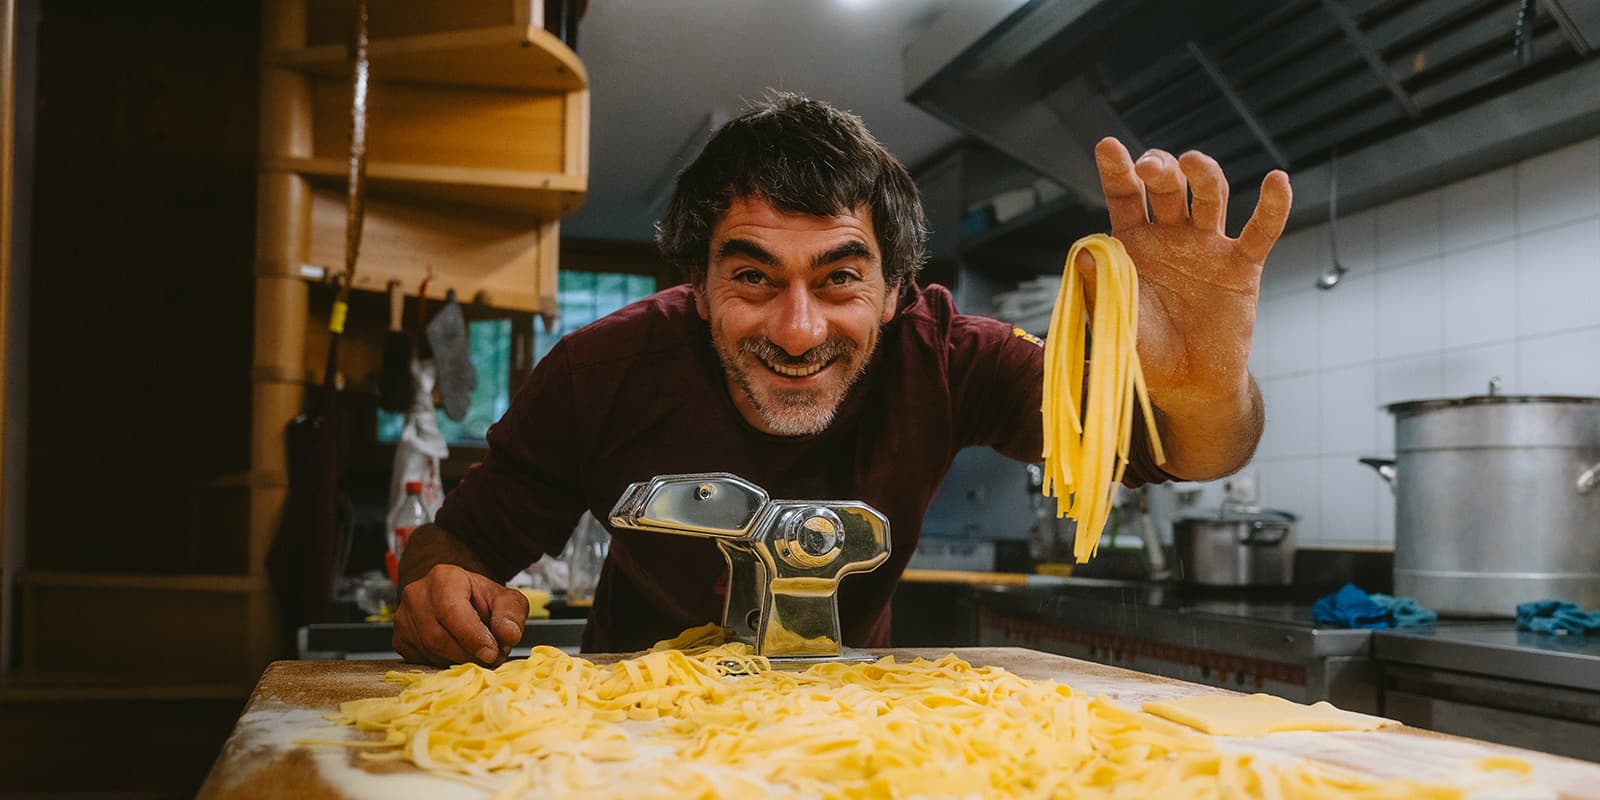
point(1260, 533)
point(1386, 470)
point(1589, 479)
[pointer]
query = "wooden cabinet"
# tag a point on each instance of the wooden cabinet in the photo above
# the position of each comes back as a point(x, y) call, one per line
point(8, 38)
point(183, 175)
point(478, 145)
point(478, 125)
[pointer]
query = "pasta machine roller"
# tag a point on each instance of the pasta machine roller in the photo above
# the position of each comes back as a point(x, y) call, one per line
point(785, 557)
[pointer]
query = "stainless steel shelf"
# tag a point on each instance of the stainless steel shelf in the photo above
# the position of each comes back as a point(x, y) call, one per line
point(345, 640)
point(1277, 631)
point(1496, 649)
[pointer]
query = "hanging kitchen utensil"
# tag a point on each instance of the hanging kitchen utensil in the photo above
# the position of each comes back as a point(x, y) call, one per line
point(421, 445)
point(424, 352)
point(394, 376)
point(304, 560)
point(1330, 277)
point(452, 358)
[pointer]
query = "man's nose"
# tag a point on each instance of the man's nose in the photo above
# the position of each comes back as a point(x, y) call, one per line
point(798, 324)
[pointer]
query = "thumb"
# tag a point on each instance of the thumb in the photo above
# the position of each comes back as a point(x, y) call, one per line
point(508, 610)
point(1085, 265)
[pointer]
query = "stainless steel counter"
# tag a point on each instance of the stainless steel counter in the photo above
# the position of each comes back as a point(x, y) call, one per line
point(1254, 629)
point(1248, 645)
point(1497, 650)
point(1491, 681)
point(1480, 679)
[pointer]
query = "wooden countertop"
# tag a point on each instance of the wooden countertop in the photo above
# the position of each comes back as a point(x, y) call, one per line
point(262, 760)
point(912, 575)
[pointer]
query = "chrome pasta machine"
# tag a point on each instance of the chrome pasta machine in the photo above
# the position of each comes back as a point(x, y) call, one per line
point(785, 557)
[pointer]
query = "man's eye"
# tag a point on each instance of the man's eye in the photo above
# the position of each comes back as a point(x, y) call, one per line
point(842, 278)
point(750, 277)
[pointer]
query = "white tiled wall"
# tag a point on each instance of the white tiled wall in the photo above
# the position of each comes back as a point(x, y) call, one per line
point(1495, 275)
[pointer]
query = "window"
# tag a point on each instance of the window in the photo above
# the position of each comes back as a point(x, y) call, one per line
point(583, 297)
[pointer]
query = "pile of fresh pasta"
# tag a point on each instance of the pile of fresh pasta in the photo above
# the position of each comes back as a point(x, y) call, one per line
point(713, 721)
point(1087, 432)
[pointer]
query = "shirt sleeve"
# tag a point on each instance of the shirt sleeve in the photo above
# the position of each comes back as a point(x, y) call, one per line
point(524, 498)
point(997, 387)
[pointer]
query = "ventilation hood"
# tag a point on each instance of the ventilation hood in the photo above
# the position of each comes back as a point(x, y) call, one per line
point(1412, 93)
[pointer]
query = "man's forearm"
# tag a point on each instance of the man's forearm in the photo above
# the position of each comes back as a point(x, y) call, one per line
point(430, 546)
point(1205, 440)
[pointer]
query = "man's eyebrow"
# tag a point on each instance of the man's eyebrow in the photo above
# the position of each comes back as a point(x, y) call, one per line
point(749, 249)
point(745, 247)
point(852, 249)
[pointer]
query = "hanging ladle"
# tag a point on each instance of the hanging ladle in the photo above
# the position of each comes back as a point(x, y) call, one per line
point(1330, 276)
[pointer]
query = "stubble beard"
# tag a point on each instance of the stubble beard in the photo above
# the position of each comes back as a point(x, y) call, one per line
point(793, 412)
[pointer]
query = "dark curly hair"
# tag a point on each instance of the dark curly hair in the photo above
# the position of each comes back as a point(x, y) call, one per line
point(802, 156)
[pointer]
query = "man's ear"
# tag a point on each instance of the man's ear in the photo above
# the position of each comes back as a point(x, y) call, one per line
point(894, 303)
point(698, 288)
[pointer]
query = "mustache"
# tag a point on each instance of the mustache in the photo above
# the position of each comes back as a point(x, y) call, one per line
point(764, 349)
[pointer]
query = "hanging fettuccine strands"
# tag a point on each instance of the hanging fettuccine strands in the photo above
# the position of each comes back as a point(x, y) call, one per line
point(1088, 426)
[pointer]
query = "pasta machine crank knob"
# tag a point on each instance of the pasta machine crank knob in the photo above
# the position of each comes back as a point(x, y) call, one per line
point(811, 538)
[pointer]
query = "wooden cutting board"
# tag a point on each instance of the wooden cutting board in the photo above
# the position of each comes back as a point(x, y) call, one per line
point(261, 760)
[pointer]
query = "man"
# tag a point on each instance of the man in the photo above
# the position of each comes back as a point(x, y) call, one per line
point(802, 356)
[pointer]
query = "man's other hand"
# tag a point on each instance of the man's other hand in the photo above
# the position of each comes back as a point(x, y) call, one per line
point(453, 616)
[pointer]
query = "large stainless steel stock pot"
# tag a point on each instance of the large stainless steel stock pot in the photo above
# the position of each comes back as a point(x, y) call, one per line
point(1496, 501)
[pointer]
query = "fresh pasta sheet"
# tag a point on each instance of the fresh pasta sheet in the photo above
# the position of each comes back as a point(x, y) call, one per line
point(1260, 715)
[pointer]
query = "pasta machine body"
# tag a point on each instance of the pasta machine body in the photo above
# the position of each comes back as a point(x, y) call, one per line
point(785, 557)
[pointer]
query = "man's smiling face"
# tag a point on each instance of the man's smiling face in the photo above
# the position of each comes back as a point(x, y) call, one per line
point(795, 304)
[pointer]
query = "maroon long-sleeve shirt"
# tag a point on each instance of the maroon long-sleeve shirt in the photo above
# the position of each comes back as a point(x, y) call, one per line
point(640, 393)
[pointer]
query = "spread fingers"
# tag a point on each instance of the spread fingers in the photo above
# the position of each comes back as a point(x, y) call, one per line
point(1209, 207)
point(1165, 184)
point(1123, 189)
point(1266, 224)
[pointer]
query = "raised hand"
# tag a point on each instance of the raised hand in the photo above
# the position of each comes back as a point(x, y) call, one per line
point(1197, 286)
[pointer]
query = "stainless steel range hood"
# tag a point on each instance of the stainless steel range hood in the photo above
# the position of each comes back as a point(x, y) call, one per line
point(1413, 93)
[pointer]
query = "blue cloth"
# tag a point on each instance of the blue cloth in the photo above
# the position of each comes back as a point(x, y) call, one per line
point(1406, 612)
point(1557, 617)
point(1349, 608)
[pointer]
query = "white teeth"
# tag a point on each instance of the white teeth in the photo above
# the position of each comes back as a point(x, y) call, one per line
point(797, 372)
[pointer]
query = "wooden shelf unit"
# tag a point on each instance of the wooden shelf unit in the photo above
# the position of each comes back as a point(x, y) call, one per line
point(461, 122)
point(505, 57)
point(540, 194)
point(74, 687)
point(10, 541)
point(494, 258)
point(142, 629)
point(477, 144)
